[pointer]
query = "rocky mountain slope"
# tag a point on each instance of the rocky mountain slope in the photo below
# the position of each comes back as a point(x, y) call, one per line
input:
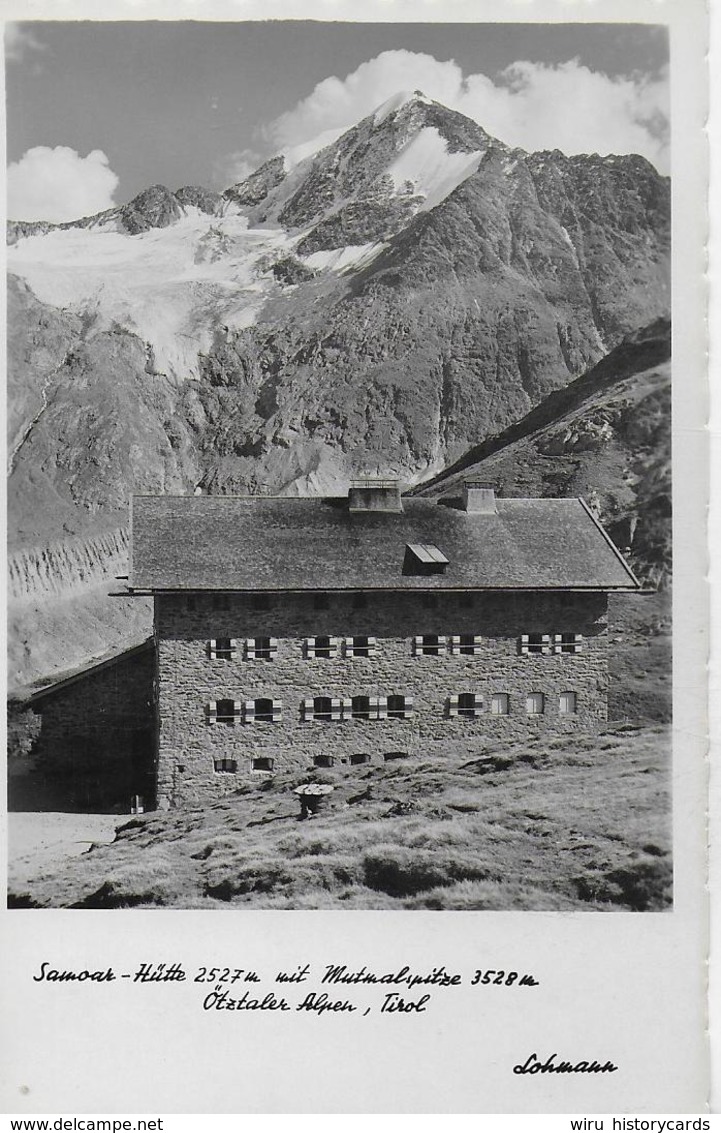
point(607, 437)
point(412, 289)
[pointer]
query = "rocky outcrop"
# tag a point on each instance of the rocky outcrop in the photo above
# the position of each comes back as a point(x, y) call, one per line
point(606, 437)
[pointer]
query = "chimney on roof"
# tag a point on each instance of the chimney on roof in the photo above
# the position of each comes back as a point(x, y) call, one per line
point(374, 494)
point(478, 498)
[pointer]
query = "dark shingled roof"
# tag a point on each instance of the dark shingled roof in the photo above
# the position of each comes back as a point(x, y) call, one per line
point(277, 543)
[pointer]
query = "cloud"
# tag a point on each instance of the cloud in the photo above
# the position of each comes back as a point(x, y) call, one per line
point(20, 42)
point(58, 184)
point(566, 106)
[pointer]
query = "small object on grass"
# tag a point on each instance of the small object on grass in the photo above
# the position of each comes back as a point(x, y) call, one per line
point(311, 797)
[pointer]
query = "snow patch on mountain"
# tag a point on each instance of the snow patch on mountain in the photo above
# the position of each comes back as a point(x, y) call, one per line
point(343, 259)
point(430, 168)
point(172, 286)
point(396, 102)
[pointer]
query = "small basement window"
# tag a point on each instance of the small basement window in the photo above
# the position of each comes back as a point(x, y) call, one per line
point(567, 703)
point(323, 760)
point(535, 703)
point(226, 764)
point(499, 704)
point(222, 649)
point(360, 646)
point(429, 645)
point(359, 757)
point(262, 763)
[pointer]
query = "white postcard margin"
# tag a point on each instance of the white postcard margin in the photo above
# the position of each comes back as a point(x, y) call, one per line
point(629, 987)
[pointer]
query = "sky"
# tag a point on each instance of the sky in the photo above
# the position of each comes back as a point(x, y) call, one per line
point(96, 111)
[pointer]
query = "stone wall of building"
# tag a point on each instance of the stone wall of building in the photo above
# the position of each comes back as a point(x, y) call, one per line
point(188, 679)
point(98, 732)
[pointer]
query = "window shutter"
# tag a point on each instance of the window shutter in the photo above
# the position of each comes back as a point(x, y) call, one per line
point(577, 642)
point(408, 706)
point(277, 711)
point(477, 643)
point(524, 643)
point(477, 704)
point(545, 643)
point(308, 710)
point(250, 649)
point(418, 645)
point(336, 708)
point(453, 705)
point(212, 648)
point(310, 647)
point(212, 711)
point(372, 643)
point(273, 643)
point(558, 643)
point(249, 711)
point(334, 646)
point(233, 649)
point(382, 705)
point(349, 649)
point(442, 642)
point(455, 645)
point(347, 707)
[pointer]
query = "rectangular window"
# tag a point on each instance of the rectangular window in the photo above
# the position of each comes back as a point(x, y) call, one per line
point(326, 709)
point(398, 707)
point(261, 649)
point(429, 645)
point(263, 710)
point(567, 642)
point(535, 703)
point(466, 645)
point(360, 646)
point(466, 704)
point(359, 757)
point(321, 648)
point(536, 643)
point(223, 711)
point(567, 703)
point(226, 764)
point(262, 763)
point(222, 649)
point(323, 761)
point(499, 704)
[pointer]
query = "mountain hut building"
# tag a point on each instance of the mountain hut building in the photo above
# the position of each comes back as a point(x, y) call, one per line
point(320, 632)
